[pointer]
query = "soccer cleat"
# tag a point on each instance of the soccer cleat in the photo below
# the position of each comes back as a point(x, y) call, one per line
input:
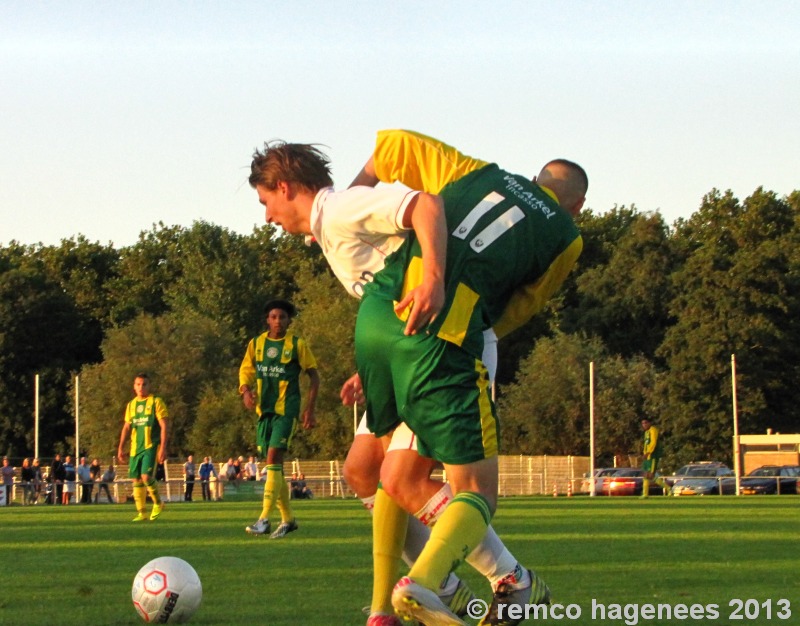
point(535, 592)
point(283, 529)
point(261, 527)
point(459, 600)
point(381, 619)
point(412, 601)
point(139, 518)
point(157, 509)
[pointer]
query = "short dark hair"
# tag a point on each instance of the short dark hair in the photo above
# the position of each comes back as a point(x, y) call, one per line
point(142, 375)
point(300, 163)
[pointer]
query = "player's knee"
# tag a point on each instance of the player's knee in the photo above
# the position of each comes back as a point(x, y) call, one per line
point(360, 478)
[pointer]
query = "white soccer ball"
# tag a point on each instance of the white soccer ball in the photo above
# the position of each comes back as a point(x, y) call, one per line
point(166, 590)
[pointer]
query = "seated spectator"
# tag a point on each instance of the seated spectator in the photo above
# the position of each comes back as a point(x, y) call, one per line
point(251, 469)
point(299, 489)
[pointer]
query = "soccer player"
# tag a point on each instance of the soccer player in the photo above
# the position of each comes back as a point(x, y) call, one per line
point(651, 451)
point(146, 421)
point(419, 333)
point(269, 381)
point(426, 164)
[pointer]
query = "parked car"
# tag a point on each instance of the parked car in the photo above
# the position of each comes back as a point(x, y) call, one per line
point(694, 469)
point(599, 475)
point(769, 479)
point(628, 482)
point(705, 481)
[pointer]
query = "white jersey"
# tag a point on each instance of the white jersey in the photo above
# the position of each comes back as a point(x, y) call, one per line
point(358, 228)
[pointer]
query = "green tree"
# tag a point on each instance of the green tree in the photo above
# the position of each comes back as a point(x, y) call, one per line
point(736, 294)
point(181, 352)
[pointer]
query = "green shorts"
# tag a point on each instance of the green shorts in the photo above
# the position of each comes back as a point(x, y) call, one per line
point(650, 466)
point(143, 464)
point(274, 431)
point(436, 387)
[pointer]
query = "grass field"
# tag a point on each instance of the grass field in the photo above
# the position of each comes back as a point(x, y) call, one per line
point(75, 565)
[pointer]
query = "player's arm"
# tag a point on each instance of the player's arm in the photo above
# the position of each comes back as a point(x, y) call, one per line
point(247, 376)
point(529, 299)
point(162, 448)
point(416, 160)
point(121, 454)
point(309, 420)
point(366, 177)
point(425, 214)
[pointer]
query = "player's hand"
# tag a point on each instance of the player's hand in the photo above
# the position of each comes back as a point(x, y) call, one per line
point(352, 392)
point(162, 455)
point(249, 399)
point(122, 456)
point(309, 421)
point(425, 303)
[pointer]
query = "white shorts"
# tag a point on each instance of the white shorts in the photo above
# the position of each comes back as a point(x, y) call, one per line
point(403, 438)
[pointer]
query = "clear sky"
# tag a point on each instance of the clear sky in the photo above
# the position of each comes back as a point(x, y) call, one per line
point(117, 115)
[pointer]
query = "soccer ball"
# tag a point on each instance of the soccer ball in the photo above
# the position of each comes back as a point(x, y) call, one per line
point(167, 589)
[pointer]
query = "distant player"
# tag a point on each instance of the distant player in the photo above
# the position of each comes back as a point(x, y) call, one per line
point(269, 381)
point(146, 421)
point(651, 451)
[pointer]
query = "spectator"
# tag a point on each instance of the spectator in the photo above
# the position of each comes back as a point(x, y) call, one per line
point(188, 477)
point(300, 490)
point(206, 472)
point(229, 471)
point(8, 479)
point(26, 480)
point(251, 469)
point(69, 480)
point(105, 480)
point(96, 474)
point(85, 478)
point(38, 479)
point(57, 477)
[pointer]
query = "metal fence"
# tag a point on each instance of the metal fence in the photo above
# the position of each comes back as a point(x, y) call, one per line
point(518, 475)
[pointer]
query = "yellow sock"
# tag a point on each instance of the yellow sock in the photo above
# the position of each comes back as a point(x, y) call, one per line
point(460, 528)
point(139, 497)
point(287, 515)
point(272, 489)
point(645, 487)
point(389, 524)
point(152, 489)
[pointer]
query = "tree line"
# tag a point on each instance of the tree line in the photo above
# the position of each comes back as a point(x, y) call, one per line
point(658, 308)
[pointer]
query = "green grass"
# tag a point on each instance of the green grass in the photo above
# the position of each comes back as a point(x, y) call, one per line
point(75, 565)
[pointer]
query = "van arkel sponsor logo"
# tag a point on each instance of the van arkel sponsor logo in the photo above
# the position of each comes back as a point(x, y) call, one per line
point(166, 612)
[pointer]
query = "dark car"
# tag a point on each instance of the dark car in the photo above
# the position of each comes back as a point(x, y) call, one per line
point(627, 481)
point(692, 470)
point(705, 481)
point(769, 479)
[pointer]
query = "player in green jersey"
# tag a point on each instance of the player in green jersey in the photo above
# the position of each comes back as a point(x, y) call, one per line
point(145, 421)
point(269, 381)
point(652, 449)
point(420, 323)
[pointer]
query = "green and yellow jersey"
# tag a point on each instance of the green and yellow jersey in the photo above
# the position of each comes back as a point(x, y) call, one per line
point(143, 416)
point(652, 448)
point(426, 164)
point(274, 367)
point(510, 246)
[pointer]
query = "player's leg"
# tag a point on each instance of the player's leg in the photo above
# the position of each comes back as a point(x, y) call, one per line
point(139, 490)
point(274, 474)
point(148, 473)
point(282, 432)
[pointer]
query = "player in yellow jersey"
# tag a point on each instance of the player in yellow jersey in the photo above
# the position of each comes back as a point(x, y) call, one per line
point(498, 233)
point(651, 452)
point(269, 381)
point(145, 421)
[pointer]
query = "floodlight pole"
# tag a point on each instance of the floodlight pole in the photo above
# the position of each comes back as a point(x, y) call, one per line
point(737, 469)
point(36, 417)
point(592, 489)
point(77, 418)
